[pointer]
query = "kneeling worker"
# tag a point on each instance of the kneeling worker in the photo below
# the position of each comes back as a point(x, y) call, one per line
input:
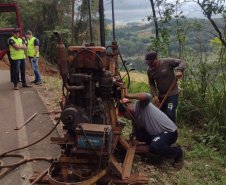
point(152, 126)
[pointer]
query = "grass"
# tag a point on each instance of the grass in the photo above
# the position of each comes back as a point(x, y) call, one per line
point(136, 77)
point(145, 33)
point(204, 164)
point(51, 89)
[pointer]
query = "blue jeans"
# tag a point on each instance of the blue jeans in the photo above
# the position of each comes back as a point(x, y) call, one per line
point(170, 106)
point(34, 65)
point(11, 70)
point(18, 65)
point(160, 144)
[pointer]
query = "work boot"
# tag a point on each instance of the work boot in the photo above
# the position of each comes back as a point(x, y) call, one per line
point(34, 81)
point(25, 85)
point(16, 87)
point(38, 83)
point(179, 161)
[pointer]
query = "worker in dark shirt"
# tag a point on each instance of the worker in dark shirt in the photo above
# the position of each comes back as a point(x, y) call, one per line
point(161, 76)
point(33, 55)
point(17, 54)
point(152, 126)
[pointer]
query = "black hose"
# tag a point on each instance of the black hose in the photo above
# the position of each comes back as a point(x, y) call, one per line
point(20, 148)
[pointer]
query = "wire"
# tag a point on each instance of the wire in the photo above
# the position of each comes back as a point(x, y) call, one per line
point(20, 148)
point(100, 159)
point(123, 63)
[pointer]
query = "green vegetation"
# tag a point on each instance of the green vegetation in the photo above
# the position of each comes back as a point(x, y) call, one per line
point(134, 41)
point(205, 160)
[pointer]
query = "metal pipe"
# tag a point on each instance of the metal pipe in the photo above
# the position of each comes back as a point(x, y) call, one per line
point(90, 22)
point(102, 31)
point(113, 19)
point(167, 94)
point(62, 63)
point(72, 22)
point(61, 56)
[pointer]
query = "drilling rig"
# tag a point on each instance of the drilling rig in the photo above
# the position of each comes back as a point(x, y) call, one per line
point(92, 89)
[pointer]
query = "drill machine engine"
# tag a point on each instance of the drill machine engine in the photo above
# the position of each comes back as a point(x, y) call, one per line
point(93, 88)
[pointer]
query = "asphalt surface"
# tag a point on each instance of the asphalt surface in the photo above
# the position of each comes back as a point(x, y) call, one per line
point(16, 106)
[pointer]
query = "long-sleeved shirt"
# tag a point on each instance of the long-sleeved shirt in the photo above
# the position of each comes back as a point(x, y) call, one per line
point(163, 77)
point(150, 118)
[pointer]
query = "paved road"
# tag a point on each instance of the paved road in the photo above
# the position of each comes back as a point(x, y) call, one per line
point(15, 108)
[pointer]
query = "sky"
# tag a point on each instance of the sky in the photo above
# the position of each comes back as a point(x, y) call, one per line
point(127, 11)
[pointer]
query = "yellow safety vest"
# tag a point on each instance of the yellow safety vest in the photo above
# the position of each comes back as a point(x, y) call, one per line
point(31, 47)
point(16, 54)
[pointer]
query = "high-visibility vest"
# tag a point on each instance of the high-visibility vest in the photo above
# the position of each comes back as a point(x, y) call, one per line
point(31, 47)
point(16, 54)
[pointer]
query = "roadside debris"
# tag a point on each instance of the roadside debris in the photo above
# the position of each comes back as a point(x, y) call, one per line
point(54, 111)
point(26, 122)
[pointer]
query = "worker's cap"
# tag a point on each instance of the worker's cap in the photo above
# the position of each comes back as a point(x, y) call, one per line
point(16, 30)
point(28, 32)
point(150, 57)
point(122, 106)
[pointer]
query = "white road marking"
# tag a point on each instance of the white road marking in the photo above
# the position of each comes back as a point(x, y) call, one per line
point(26, 169)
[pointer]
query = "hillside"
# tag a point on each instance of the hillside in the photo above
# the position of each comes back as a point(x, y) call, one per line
point(134, 41)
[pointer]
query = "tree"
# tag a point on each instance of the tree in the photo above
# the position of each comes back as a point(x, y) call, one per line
point(82, 27)
point(214, 7)
point(154, 18)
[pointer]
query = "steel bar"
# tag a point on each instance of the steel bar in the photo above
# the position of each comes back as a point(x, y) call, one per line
point(27, 121)
point(40, 177)
point(116, 166)
point(90, 22)
point(72, 22)
point(128, 162)
point(113, 19)
point(102, 31)
point(167, 94)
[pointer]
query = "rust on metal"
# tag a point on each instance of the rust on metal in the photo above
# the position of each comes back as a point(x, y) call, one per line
point(127, 166)
point(92, 180)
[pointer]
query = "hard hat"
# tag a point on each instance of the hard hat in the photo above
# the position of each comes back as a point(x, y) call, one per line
point(122, 106)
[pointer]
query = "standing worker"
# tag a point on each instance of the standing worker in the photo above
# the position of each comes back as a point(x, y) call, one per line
point(17, 53)
point(152, 126)
point(161, 76)
point(33, 55)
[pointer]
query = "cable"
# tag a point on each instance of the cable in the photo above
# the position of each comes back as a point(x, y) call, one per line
point(24, 160)
point(20, 148)
point(88, 140)
point(123, 63)
point(100, 159)
point(12, 166)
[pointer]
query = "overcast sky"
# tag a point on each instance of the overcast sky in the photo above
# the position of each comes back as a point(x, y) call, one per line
point(128, 10)
point(137, 11)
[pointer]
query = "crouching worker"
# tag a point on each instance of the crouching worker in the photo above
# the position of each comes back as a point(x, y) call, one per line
point(152, 126)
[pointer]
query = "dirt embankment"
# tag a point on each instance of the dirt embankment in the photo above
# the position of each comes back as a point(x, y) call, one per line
point(45, 68)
